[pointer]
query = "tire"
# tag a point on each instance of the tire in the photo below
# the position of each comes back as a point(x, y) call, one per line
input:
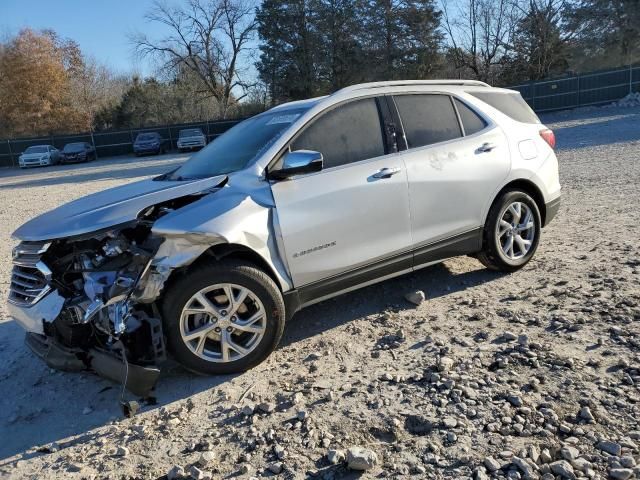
point(263, 295)
point(498, 251)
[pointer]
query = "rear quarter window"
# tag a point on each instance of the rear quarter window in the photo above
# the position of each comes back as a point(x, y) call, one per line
point(471, 121)
point(509, 103)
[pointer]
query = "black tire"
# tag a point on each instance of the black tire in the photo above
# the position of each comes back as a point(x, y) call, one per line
point(492, 255)
point(225, 271)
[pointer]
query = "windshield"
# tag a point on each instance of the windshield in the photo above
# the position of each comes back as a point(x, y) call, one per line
point(36, 150)
point(194, 132)
point(145, 137)
point(74, 147)
point(233, 150)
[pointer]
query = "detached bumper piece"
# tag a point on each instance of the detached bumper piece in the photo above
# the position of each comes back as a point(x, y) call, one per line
point(138, 379)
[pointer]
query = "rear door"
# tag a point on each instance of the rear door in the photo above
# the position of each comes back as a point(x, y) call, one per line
point(455, 161)
point(345, 225)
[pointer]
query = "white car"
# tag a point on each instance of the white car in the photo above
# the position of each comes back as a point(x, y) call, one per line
point(39, 156)
point(191, 139)
point(306, 201)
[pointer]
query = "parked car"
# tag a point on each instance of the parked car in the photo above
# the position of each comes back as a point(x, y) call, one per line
point(301, 203)
point(39, 156)
point(77, 152)
point(191, 139)
point(150, 142)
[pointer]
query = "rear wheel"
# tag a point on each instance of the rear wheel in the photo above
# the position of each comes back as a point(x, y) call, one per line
point(511, 233)
point(223, 317)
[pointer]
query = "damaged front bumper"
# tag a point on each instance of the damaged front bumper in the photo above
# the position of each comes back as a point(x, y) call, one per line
point(32, 317)
point(138, 379)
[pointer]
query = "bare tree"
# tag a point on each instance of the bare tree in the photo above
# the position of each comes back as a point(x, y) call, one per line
point(208, 37)
point(479, 33)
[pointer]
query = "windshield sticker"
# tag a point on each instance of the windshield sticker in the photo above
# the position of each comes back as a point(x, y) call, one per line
point(283, 119)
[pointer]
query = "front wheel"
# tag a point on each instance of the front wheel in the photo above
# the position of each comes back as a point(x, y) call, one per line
point(511, 233)
point(223, 317)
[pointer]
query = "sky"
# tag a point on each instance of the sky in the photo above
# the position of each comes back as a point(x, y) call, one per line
point(99, 26)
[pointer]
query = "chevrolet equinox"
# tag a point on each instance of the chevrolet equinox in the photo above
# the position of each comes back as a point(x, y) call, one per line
point(301, 203)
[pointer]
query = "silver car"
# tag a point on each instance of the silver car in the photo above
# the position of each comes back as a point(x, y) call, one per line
point(304, 202)
point(39, 156)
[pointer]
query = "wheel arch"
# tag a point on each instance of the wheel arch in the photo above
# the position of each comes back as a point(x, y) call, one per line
point(528, 187)
point(221, 251)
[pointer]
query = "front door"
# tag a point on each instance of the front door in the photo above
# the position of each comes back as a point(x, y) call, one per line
point(349, 223)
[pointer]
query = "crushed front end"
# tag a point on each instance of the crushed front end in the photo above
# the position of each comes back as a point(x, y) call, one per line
point(77, 299)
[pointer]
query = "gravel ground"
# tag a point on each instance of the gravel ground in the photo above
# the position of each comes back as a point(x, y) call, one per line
point(530, 375)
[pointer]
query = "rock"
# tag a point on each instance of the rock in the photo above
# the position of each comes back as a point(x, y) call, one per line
point(176, 473)
point(302, 415)
point(359, 458)
point(620, 473)
point(87, 410)
point(267, 407)
point(450, 422)
point(206, 458)
point(492, 464)
point(586, 415)
point(524, 466)
point(247, 410)
point(416, 297)
point(122, 451)
point(419, 425)
point(280, 452)
point(514, 400)
point(196, 474)
point(609, 447)
point(569, 453)
point(246, 468)
point(563, 468)
point(276, 468)
point(508, 336)
point(336, 456)
point(444, 364)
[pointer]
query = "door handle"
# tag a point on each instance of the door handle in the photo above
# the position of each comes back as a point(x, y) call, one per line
point(486, 147)
point(386, 172)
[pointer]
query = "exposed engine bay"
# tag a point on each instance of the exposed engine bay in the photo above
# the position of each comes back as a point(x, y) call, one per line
point(97, 313)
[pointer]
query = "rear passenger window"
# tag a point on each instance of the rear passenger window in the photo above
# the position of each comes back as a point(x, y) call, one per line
point(509, 103)
point(346, 134)
point(471, 121)
point(427, 119)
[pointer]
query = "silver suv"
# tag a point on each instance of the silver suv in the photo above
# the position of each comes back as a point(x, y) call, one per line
point(304, 202)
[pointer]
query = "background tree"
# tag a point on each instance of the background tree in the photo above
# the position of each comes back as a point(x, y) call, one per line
point(607, 32)
point(36, 100)
point(208, 37)
point(539, 46)
point(479, 34)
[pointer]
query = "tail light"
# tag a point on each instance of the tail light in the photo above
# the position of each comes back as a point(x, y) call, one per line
point(549, 137)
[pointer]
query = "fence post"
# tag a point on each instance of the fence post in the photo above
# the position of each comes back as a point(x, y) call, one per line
point(533, 95)
point(578, 78)
point(630, 79)
point(95, 149)
point(10, 153)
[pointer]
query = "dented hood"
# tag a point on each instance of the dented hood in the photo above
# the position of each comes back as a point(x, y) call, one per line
point(109, 208)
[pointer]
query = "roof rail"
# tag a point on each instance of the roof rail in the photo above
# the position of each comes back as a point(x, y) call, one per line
point(401, 83)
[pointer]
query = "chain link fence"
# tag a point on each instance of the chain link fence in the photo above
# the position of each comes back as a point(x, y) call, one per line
point(594, 88)
point(109, 143)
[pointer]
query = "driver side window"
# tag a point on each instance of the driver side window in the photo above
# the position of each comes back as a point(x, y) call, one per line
point(348, 133)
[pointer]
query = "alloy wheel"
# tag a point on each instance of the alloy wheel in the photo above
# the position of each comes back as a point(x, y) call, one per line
point(516, 230)
point(223, 322)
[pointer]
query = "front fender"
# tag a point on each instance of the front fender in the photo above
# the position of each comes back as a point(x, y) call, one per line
point(229, 216)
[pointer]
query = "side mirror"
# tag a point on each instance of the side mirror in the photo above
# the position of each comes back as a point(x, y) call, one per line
point(297, 162)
